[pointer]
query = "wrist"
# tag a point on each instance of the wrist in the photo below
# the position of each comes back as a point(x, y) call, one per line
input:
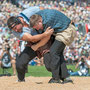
point(37, 46)
point(44, 35)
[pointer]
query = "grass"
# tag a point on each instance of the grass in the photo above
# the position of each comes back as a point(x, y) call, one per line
point(39, 71)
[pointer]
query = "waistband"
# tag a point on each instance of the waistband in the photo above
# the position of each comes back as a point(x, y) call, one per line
point(72, 23)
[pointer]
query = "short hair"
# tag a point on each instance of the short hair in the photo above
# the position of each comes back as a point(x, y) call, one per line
point(13, 21)
point(34, 19)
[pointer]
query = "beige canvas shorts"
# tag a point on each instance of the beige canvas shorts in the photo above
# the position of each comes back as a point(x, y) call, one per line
point(67, 36)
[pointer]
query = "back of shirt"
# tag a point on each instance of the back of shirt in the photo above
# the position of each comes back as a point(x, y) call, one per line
point(54, 19)
point(27, 13)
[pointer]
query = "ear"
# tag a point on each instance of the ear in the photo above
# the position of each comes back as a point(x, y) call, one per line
point(40, 20)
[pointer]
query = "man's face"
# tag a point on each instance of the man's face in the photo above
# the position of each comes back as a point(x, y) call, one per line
point(38, 26)
point(18, 28)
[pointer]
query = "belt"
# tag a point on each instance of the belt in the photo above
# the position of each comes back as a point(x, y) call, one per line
point(72, 23)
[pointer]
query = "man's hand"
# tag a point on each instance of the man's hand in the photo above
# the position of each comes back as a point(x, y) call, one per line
point(49, 31)
point(34, 47)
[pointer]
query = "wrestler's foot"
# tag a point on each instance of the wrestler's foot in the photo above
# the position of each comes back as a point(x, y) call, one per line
point(53, 80)
point(67, 80)
point(21, 80)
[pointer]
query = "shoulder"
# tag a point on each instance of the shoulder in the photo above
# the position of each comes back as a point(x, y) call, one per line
point(31, 9)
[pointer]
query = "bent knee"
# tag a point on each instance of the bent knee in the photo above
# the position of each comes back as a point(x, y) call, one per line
point(19, 66)
point(49, 69)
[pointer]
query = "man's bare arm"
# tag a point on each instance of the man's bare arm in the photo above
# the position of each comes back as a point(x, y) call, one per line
point(35, 38)
point(1, 55)
point(41, 43)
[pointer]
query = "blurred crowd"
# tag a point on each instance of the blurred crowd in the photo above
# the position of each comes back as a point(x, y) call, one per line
point(78, 13)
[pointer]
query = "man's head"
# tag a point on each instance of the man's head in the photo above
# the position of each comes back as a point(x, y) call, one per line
point(36, 22)
point(15, 24)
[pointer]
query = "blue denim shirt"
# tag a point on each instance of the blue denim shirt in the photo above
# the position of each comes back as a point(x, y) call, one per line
point(26, 14)
point(54, 19)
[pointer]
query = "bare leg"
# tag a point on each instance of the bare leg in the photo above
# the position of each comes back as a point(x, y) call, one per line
point(0, 64)
point(13, 62)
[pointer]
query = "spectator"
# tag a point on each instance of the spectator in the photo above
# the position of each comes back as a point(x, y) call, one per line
point(83, 66)
point(39, 62)
point(7, 60)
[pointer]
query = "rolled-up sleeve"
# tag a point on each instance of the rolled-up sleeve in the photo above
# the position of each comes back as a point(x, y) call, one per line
point(19, 35)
